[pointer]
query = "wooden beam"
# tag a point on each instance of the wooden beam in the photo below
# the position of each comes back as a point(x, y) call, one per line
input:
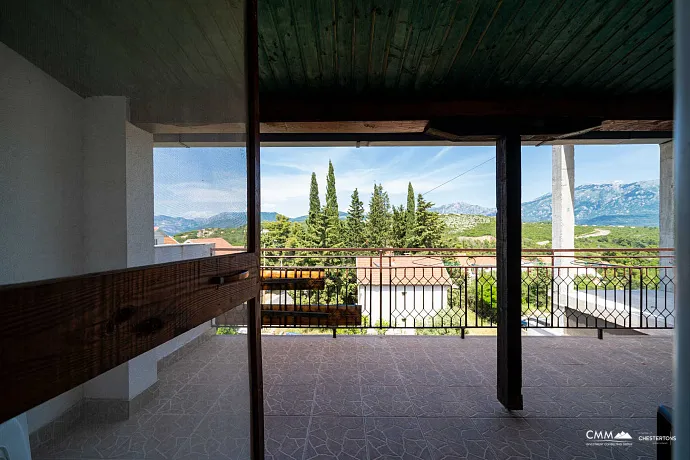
point(311, 315)
point(256, 380)
point(455, 128)
point(508, 274)
point(401, 108)
point(301, 127)
point(58, 334)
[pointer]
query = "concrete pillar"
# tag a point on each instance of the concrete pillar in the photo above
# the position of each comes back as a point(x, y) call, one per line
point(563, 224)
point(681, 135)
point(666, 210)
point(118, 232)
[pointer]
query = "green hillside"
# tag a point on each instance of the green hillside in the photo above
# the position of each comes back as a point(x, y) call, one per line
point(467, 231)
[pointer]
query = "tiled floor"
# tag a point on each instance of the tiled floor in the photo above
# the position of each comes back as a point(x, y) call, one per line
point(405, 397)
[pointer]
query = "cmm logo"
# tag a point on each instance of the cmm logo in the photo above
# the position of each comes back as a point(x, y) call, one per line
point(599, 435)
point(602, 435)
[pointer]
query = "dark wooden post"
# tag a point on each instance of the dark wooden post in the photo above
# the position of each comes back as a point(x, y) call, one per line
point(508, 253)
point(256, 382)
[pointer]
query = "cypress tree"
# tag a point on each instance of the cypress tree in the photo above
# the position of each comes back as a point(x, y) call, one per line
point(315, 220)
point(378, 220)
point(354, 224)
point(410, 218)
point(332, 214)
point(314, 201)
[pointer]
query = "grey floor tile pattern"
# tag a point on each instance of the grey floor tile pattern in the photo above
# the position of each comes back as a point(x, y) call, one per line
point(400, 397)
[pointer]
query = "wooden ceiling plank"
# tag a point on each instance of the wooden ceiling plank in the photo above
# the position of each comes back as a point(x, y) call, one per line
point(274, 47)
point(511, 35)
point(482, 22)
point(198, 26)
point(562, 50)
point(399, 42)
point(655, 77)
point(390, 30)
point(427, 51)
point(361, 45)
point(289, 40)
point(581, 58)
point(638, 59)
point(326, 33)
point(224, 38)
point(500, 26)
point(564, 20)
point(308, 41)
point(614, 47)
point(519, 47)
point(662, 19)
point(504, 15)
point(380, 33)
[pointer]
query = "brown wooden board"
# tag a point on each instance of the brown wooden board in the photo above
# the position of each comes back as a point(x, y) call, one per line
point(292, 284)
point(58, 334)
point(311, 315)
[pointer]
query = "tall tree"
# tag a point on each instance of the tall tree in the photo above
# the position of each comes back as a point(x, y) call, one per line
point(332, 214)
point(354, 223)
point(378, 220)
point(398, 228)
point(314, 200)
point(315, 235)
point(429, 227)
point(410, 218)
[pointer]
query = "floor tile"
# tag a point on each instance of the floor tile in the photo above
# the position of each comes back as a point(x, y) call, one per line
point(339, 438)
point(395, 437)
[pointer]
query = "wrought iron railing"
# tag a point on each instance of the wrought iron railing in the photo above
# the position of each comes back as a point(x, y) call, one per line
point(455, 289)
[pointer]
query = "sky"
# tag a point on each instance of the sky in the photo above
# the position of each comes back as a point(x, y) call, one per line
point(200, 182)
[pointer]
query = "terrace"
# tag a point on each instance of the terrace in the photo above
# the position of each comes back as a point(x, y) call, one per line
point(359, 397)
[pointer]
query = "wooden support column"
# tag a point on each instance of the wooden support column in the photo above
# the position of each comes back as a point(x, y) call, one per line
point(256, 382)
point(508, 288)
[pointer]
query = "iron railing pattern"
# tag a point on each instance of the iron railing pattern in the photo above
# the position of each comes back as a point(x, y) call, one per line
point(455, 289)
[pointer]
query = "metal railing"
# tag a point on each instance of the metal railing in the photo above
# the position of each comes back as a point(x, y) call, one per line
point(455, 289)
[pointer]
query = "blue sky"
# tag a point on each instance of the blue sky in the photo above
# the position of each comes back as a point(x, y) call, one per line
point(199, 182)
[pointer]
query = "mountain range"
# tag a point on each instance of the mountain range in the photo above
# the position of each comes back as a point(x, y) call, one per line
point(633, 204)
point(173, 225)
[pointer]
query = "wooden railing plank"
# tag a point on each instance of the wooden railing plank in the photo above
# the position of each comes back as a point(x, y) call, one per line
point(58, 334)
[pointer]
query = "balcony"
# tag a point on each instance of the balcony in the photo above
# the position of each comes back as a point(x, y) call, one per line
point(359, 397)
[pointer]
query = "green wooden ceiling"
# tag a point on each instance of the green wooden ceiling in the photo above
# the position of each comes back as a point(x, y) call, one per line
point(182, 60)
point(461, 48)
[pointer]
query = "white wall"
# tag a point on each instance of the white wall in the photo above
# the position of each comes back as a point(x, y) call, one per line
point(46, 412)
point(416, 303)
point(76, 196)
point(40, 174)
point(139, 174)
point(175, 252)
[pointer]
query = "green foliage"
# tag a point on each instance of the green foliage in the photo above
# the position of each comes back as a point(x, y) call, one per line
point(378, 220)
point(398, 227)
point(429, 227)
point(354, 223)
point(226, 331)
point(410, 216)
point(331, 214)
point(235, 236)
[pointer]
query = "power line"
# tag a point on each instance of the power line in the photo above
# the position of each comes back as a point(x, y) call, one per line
point(461, 174)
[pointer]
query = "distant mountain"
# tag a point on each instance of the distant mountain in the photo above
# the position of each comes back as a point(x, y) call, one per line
point(464, 208)
point(634, 204)
point(173, 225)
